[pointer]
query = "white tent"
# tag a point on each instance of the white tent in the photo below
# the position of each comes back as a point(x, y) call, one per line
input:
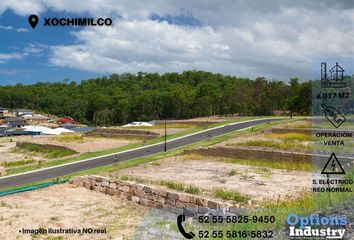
point(57, 131)
point(36, 129)
point(138, 124)
point(45, 130)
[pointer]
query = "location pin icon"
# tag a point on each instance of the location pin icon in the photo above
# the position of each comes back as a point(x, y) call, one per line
point(33, 20)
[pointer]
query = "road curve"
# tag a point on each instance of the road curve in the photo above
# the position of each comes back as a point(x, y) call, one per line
point(61, 170)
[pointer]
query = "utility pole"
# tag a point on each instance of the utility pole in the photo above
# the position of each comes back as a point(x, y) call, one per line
point(165, 136)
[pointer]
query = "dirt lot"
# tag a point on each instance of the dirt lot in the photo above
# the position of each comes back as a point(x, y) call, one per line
point(87, 144)
point(81, 145)
point(66, 206)
point(5, 148)
point(207, 174)
point(170, 131)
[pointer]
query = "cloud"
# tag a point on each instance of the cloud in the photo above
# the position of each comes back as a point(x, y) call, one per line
point(31, 49)
point(10, 71)
point(22, 7)
point(275, 39)
point(14, 29)
point(142, 46)
point(5, 57)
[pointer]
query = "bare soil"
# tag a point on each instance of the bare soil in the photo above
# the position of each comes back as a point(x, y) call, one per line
point(88, 144)
point(209, 173)
point(66, 206)
point(303, 123)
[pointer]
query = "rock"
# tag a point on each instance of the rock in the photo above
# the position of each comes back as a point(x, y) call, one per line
point(213, 205)
point(113, 185)
point(135, 199)
point(105, 183)
point(162, 193)
point(202, 202)
point(147, 189)
point(144, 201)
point(184, 198)
point(170, 201)
point(173, 195)
point(180, 204)
point(124, 188)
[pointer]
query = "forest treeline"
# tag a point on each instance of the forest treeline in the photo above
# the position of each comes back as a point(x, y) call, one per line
point(122, 98)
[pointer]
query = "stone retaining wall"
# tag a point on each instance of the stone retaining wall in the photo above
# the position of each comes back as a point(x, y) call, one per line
point(292, 130)
point(152, 196)
point(126, 133)
point(252, 153)
point(308, 131)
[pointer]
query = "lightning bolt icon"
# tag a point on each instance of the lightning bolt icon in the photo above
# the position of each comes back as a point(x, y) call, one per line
point(333, 165)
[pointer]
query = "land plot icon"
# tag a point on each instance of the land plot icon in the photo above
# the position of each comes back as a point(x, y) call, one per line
point(335, 78)
point(333, 166)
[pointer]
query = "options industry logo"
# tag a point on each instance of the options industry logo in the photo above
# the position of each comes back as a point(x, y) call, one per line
point(316, 227)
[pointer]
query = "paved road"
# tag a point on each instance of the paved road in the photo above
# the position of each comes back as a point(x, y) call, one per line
point(43, 174)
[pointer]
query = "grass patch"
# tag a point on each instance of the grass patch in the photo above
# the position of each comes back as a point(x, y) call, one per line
point(232, 173)
point(49, 151)
point(172, 185)
point(70, 138)
point(192, 189)
point(4, 204)
point(18, 163)
point(290, 136)
point(228, 195)
point(124, 178)
point(291, 165)
point(179, 186)
point(284, 145)
point(54, 219)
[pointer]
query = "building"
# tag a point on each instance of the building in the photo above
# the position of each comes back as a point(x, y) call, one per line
point(3, 129)
point(15, 122)
point(15, 132)
point(35, 118)
point(21, 111)
point(66, 120)
point(3, 111)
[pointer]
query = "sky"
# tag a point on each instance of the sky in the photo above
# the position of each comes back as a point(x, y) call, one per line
point(276, 39)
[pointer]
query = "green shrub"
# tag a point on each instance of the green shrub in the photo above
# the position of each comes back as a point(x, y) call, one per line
point(172, 185)
point(70, 138)
point(192, 189)
point(228, 195)
point(232, 173)
point(18, 163)
point(50, 151)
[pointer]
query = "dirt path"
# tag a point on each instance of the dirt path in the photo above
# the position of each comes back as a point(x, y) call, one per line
point(65, 206)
